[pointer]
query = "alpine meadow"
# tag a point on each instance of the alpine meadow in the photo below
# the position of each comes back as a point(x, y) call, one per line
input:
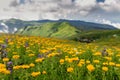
point(59, 40)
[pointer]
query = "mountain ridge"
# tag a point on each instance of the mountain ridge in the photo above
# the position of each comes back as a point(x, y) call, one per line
point(16, 24)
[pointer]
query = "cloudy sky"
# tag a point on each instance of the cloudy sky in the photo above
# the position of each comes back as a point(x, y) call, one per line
point(101, 11)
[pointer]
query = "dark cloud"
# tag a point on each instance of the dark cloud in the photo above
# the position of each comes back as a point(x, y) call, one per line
point(14, 3)
point(22, 1)
point(100, 0)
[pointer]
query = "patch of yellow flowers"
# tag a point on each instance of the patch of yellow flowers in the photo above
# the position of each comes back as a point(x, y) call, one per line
point(16, 57)
point(35, 74)
point(70, 69)
point(3, 69)
point(5, 59)
point(90, 67)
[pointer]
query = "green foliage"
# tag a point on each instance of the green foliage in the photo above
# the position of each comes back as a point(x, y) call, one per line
point(58, 30)
point(104, 37)
point(98, 34)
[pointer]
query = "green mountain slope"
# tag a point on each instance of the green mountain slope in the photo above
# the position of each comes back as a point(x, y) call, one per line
point(53, 29)
point(99, 34)
point(101, 37)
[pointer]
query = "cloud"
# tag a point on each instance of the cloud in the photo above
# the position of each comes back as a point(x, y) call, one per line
point(5, 3)
point(59, 9)
point(104, 21)
point(14, 3)
point(110, 5)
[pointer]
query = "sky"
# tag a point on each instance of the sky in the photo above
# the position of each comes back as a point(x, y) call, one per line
point(100, 11)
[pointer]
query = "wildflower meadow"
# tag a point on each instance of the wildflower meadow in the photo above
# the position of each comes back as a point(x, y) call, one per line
point(38, 58)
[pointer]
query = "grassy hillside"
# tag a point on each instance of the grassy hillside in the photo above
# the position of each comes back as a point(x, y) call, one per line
point(97, 34)
point(37, 58)
point(106, 37)
point(58, 30)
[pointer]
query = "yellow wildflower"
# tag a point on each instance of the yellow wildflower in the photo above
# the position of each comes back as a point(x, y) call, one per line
point(105, 69)
point(117, 65)
point(31, 65)
point(79, 64)
point(105, 63)
point(90, 67)
point(5, 59)
point(15, 56)
point(39, 59)
point(61, 61)
point(16, 67)
point(44, 72)
point(70, 69)
point(87, 61)
point(96, 61)
point(111, 63)
point(35, 74)
point(31, 55)
point(25, 66)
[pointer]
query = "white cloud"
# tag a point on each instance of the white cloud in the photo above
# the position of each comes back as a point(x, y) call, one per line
point(57, 9)
point(45, 9)
point(104, 21)
point(5, 3)
point(110, 5)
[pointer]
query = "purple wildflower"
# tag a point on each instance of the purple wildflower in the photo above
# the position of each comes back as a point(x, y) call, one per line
point(10, 66)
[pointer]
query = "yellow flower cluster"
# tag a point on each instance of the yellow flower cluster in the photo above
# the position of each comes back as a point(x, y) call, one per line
point(44, 72)
point(108, 58)
point(35, 74)
point(111, 63)
point(22, 66)
point(15, 56)
point(52, 54)
point(97, 54)
point(105, 69)
point(70, 60)
point(96, 61)
point(31, 55)
point(61, 61)
point(5, 59)
point(39, 59)
point(90, 67)
point(31, 64)
point(3, 69)
point(70, 69)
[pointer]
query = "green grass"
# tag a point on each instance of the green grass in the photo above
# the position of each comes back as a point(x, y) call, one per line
point(57, 30)
point(76, 55)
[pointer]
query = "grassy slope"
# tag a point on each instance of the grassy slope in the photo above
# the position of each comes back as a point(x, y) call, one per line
point(59, 30)
point(65, 31)
point(105, 38)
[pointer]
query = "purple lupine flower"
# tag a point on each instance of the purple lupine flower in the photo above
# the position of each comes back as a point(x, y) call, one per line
point(10, 66)
point(6, 40)
point(3, 54)
point(40, 55)
point(3, 46)
point(26, 44)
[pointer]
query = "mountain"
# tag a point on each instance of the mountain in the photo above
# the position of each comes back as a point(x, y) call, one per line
point(88, 25)
point(62, 29)
point(12, 25)
point(54, 29)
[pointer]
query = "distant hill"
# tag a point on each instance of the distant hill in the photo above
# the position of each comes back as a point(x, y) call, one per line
point(12, 25)
point(103, 38)
point(95, 34)
point(88, 25)
point(61, 29)
point(55, 29)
